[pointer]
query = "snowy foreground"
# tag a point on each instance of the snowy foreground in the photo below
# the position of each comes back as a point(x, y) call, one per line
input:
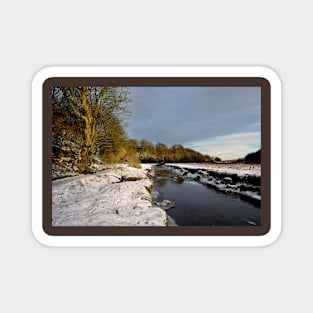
point(117, 196)
point(120, 195)
point(243, 179)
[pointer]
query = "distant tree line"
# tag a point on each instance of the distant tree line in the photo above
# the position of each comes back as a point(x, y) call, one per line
point(251, 158)
point(254, 157)
point(160, 152)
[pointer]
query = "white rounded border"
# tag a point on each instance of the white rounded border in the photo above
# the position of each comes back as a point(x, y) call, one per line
point(157, 241)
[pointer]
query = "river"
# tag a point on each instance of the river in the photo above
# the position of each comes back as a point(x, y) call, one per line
point(196, 204)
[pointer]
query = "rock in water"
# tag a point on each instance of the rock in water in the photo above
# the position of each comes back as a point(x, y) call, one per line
point(166, 204)
point(179, 179)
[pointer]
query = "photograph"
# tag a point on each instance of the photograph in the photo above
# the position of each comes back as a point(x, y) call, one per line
point(172, 156)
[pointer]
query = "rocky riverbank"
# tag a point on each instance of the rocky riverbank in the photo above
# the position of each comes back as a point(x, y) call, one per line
point(242, 179)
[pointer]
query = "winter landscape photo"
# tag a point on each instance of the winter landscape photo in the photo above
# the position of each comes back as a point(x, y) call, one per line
point(156, 156)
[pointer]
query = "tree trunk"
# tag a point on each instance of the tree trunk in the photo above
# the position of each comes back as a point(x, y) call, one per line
point(90, 134)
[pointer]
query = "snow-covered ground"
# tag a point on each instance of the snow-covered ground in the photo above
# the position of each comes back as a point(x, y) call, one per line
point(117, 196)
point(120, 195)
point(233, 168)
point(243, 179)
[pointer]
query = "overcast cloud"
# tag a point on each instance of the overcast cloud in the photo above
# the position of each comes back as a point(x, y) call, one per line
point(219, 121)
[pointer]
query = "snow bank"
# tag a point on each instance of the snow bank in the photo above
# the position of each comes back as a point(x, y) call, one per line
point(236, 178)
point(117, 196)
point(232, 168)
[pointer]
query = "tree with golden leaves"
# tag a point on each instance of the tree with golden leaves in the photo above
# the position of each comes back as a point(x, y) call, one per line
point(98, 114)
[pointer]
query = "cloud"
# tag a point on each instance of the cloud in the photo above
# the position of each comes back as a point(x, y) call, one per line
point(230, 146)
point(181, 115)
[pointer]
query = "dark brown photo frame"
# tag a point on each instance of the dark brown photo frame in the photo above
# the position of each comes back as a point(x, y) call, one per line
point(252, 230)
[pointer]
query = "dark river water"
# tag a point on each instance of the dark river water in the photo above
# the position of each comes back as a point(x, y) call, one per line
point(197, 204)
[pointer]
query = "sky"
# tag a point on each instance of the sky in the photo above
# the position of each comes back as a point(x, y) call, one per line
point(222, 122)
